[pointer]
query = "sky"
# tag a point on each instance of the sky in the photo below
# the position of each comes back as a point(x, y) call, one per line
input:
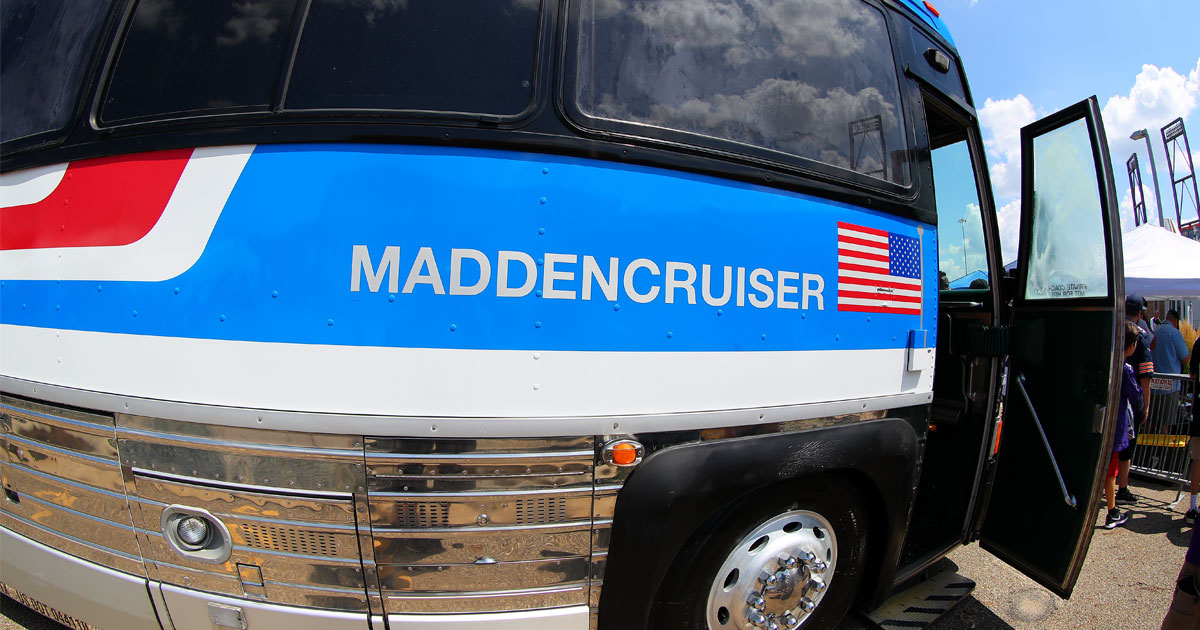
point(1026, 59)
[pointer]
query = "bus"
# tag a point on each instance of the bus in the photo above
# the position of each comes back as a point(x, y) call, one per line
point(531, 314)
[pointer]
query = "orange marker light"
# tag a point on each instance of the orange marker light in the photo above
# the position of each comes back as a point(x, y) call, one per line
point(932, 9)
point(624, 454)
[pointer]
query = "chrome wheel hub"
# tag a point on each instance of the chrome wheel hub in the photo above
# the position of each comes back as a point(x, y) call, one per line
point(776, 575)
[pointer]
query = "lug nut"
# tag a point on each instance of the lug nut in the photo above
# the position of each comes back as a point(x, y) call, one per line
point(790, 622)
point(818, 585)
point(807, 604)
point(772, 625)
point(756, 601)
point(808, 557)
point(769, 580)
point(819, 566)
point(755, 617)
point(786, 561)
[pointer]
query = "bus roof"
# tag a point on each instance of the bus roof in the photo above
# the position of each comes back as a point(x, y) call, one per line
point(926, 11)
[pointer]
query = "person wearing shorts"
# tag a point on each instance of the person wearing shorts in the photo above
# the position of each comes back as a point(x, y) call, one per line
point(1131, 397)
point(1194, 431)
point(1143, 366)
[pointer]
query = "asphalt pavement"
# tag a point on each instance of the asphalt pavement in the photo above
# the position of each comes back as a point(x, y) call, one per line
point(1126, 583)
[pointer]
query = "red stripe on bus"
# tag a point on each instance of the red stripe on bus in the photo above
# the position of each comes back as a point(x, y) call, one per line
point(915, 285)
point(859, 228)
point(102, 201)
point(878, 309)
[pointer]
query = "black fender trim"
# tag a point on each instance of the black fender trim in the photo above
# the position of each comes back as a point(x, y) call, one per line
point(676, 490)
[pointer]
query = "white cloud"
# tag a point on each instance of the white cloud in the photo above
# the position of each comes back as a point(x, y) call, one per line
point(1157, 97)
point(1010, 229)
point(1002, 120)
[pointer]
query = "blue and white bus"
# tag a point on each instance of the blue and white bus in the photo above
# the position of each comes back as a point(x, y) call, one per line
point(527, 314)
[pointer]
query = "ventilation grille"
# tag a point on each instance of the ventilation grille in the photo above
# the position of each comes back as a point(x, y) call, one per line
point(540, 511)
point(290, 540)
point(417, 514)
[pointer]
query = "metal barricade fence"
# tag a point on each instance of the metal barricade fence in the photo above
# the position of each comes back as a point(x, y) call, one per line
point(1162, 443)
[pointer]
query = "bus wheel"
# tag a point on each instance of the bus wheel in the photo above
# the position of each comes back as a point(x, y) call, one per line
point(792, 563)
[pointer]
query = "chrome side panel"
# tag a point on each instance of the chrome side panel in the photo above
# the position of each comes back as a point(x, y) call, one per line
point(190, 611)
point(286, 498)
point(87, 591)
point(481, 525)
point(63, 484)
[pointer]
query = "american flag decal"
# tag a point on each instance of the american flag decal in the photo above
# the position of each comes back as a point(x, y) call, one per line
point(878, 271)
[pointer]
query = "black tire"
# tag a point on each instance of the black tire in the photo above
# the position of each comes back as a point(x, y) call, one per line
point(683, 601)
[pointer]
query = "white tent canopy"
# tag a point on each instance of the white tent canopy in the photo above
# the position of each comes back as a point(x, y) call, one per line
point(1161, 264)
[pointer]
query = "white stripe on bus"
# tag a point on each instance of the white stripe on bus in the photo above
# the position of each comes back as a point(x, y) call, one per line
point(866, 275)
point(862, 235)
point(426, 382)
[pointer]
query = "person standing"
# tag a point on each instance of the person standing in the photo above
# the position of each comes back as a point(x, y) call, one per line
point(1170, 350)
point(1184, 612)
point(1143, 367)
point(1194, 432)
point(1131, 396)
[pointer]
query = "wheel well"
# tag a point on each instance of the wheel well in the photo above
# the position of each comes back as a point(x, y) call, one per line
point(678, 495)
point(862, 485)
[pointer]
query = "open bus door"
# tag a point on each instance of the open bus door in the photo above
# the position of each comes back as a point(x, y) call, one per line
point(1064, 354)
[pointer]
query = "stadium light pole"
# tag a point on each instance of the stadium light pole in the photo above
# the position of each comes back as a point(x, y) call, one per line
point(1141, 134)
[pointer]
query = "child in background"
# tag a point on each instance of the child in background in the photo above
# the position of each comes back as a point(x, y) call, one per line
point(1131, 396)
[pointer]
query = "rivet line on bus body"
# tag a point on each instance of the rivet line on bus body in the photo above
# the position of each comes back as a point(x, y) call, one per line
point(670, 334)
point(764, 336)
point(392, 298)
point(720, 312)
point(546, 171)
point(537, 324)
point(176, 290)
point(99, 288)
point(616, 307)
point(541, 231)
point(453, 327)
point(274, 294)
point(329, 322)
point(543, 201)
point(540, 262)
point(135, 313)
point(538, 293)
point(221, 317)
point(536, 356)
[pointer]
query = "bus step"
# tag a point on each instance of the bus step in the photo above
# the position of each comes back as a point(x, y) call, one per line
point(924, 603)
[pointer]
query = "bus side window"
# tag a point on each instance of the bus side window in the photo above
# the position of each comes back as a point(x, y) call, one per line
point(962, 247)
point(45, 46)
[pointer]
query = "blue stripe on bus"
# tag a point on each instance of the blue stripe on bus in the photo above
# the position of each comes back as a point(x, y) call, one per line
point(278, 265)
